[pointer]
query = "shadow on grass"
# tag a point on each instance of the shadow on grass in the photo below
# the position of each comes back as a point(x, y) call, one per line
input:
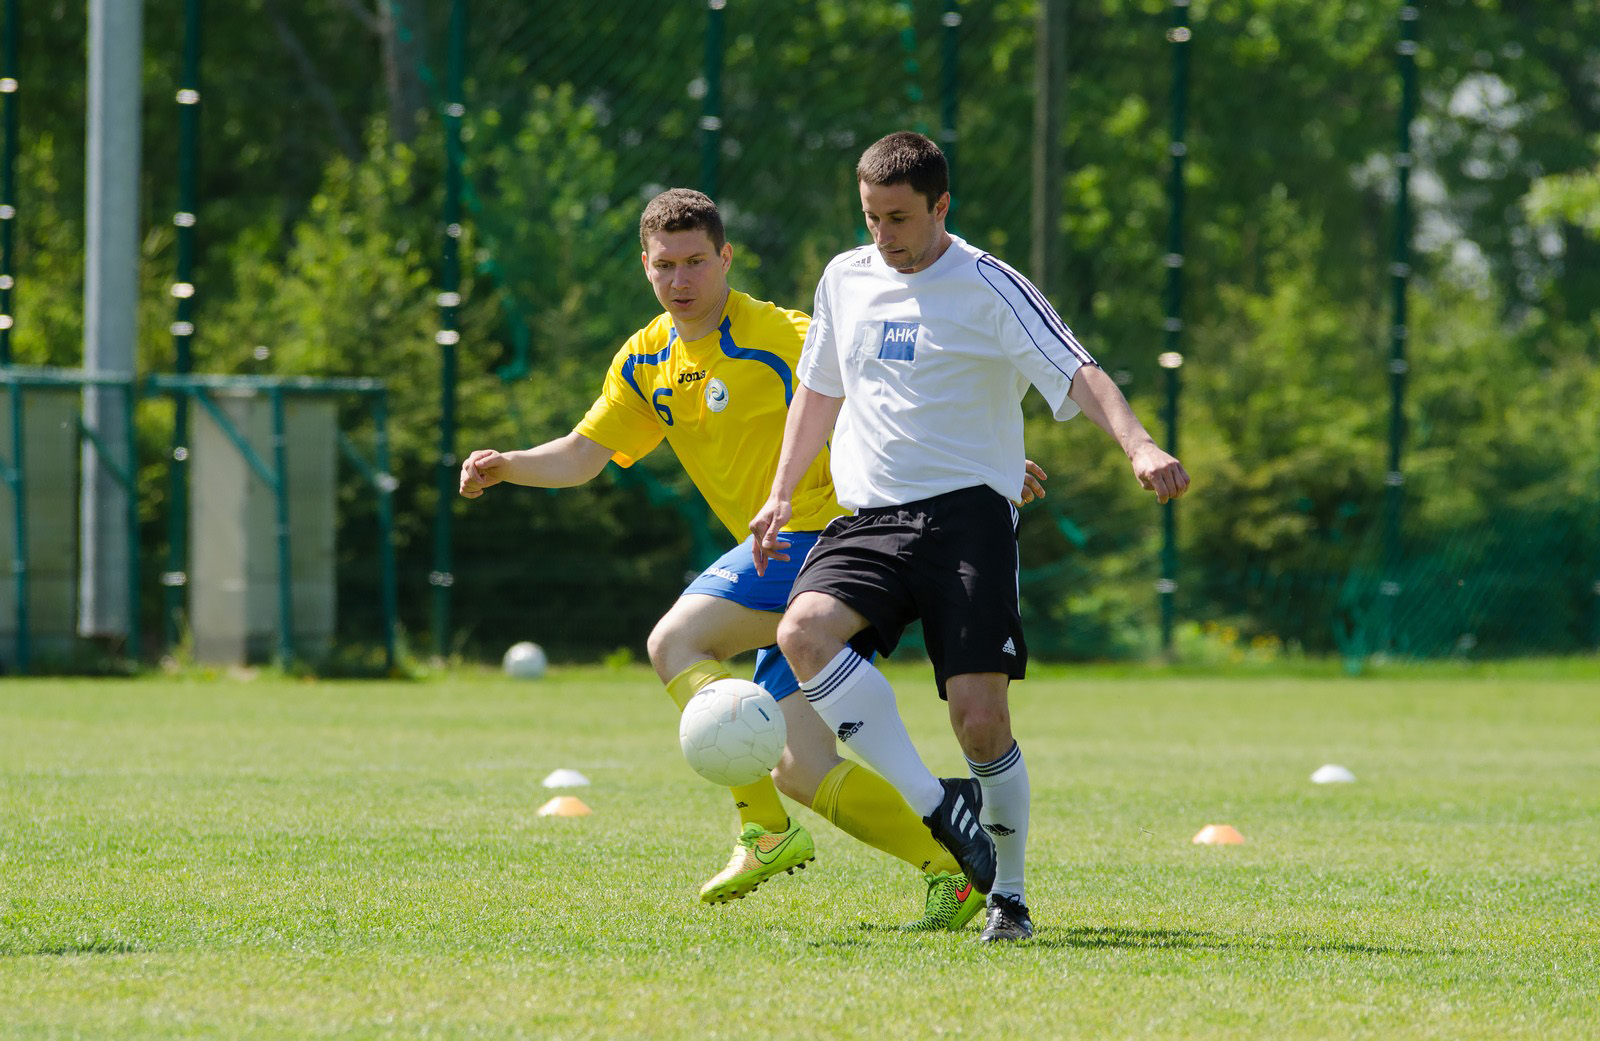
point(1196, 939)
point(1100, 938)
point(83, 945)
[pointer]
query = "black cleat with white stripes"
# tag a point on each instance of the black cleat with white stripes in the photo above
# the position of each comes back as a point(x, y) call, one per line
point(955, 827)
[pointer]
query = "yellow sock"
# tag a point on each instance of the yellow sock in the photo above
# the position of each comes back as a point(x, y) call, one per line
point(758, 803)
point(865, 806)
point(687, 683)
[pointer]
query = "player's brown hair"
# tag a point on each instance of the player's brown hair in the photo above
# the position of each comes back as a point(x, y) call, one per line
point(905, 157)
point(683, 209)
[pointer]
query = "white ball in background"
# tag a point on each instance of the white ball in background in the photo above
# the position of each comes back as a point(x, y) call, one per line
point(525, 660)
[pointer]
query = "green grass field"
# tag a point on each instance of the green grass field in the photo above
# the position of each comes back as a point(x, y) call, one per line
point(289, 859)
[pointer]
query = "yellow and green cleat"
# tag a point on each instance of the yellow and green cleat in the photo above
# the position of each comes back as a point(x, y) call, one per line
point(953, 901)
point(758, 855)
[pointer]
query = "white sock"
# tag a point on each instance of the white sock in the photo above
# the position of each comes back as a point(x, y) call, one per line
point(1005, 816)
point(857, 703)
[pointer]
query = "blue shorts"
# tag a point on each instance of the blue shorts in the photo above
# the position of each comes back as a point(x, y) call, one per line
point(733, 577)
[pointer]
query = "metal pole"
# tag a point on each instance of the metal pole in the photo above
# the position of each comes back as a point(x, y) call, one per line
point(442, 577)
point(1171, 358)
point(949, 96)
point(174, 580)
point(1399, 277)
point(8, 174)
point(711, 107)
point(111, 286)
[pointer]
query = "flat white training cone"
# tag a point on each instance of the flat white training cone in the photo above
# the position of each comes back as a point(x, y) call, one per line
point(1332, 773)
point(1219, 835)
point(565, 806)
point(565, 778)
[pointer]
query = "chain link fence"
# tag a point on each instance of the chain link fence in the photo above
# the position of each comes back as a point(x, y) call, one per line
point(571, 120)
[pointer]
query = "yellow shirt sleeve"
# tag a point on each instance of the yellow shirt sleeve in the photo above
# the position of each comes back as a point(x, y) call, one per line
point(621, 418)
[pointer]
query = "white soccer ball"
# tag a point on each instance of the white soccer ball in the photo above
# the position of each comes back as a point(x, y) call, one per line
point(525, 660)
point(732, 732)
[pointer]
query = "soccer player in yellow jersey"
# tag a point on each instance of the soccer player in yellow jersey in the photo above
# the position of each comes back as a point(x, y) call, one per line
point(714, 376)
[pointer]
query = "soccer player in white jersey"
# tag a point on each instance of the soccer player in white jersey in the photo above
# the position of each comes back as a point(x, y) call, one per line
point(919, 352)
point(712, 376)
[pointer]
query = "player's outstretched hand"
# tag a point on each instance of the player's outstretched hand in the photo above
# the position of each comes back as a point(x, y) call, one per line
point(1160, 472)
point(1032, 481)
point(767, 527)
point(482, 469)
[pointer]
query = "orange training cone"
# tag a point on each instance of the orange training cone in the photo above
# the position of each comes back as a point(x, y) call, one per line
point(1219, 835)
point(564, 806)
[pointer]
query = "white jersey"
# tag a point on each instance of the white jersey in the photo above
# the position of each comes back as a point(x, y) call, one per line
point(932, 367)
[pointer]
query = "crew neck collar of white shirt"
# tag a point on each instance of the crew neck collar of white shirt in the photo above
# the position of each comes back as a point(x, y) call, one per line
point(912, 276)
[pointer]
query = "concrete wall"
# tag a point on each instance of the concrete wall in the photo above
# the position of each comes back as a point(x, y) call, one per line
point(50, 473)
point(233, 571)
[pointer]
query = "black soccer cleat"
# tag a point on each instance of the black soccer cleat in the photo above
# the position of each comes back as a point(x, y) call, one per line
point(1008, 920)
point(955, 827)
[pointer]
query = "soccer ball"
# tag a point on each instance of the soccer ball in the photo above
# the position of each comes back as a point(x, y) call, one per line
point(525, 660)
point(732, 732)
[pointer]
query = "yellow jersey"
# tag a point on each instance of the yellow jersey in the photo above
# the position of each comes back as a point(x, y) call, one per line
point(720, 401)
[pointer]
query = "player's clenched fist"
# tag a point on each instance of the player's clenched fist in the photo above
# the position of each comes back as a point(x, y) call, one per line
point(482, 469)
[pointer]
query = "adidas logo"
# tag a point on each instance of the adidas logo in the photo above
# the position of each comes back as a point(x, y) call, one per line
point(963, 819)
point(999, 829)
point(865, 260)
point(1008, 647)
point(849, 730)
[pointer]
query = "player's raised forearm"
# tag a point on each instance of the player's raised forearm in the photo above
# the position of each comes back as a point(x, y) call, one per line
point(562, 463)
point(811, 419)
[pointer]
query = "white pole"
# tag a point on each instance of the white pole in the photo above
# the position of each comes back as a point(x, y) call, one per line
point(110, 305)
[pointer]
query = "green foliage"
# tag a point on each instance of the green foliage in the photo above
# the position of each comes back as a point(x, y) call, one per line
point(320, 204)
point(1501, 501)
point(1570, 197)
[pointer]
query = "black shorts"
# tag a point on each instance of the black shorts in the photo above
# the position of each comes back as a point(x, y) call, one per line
point(950, 560)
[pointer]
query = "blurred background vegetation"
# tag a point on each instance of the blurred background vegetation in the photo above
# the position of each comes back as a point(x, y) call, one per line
point(322, 165)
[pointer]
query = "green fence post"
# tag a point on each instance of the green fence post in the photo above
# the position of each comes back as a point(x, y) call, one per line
point(949, 94)
point(280, 498)
point(1049, 57)
point(19, 507)
point(8, 173)
point(386, 566)
point(442, 578)
point(910, 64)
point(135, 632)
point(711, 106)
point(1171, 360)
point(1399, 276)
point(174, 580)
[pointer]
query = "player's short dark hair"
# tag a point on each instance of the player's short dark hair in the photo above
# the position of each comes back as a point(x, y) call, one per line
point(906, 157)
point(683, 209)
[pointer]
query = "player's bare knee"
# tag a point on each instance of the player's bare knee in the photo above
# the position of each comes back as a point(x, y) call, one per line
point(983, 728)
point(806, 636)
point(796, 642)
point(661, 644)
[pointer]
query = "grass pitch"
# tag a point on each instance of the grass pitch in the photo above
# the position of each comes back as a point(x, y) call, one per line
point(289, 859)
